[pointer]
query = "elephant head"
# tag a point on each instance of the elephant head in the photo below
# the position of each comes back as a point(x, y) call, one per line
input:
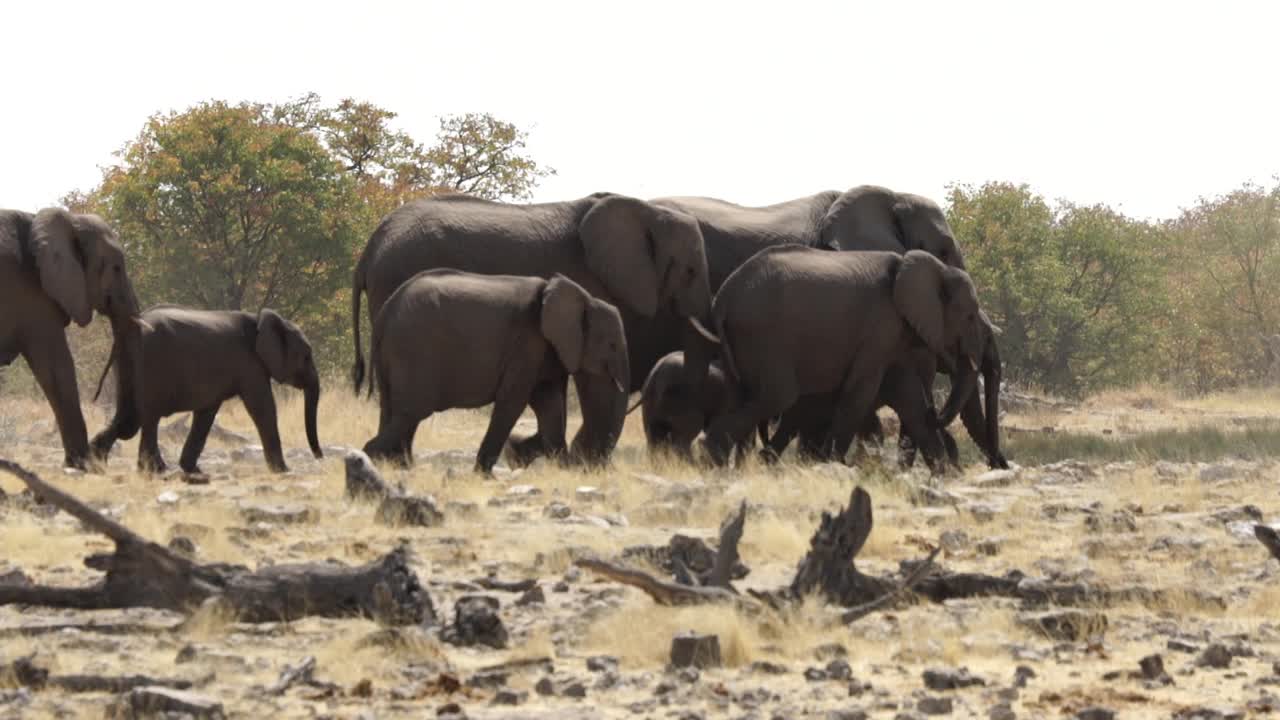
point(587, 335)
point(586, 332)
point(82, 266)
point(870, 217)
point(940, 304)
point(648, 257)
point(285, 352)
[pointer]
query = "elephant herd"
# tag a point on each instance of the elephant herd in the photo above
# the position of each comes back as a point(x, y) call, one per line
point(795, 320)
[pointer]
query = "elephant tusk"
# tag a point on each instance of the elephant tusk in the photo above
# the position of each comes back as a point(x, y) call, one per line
point(143, 324)
point(973, 364)
point(618, 384)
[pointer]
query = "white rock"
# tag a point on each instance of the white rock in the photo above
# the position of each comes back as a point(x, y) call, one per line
point(168, 497)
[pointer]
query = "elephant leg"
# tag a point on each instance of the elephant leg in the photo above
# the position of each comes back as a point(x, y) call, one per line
point(918, 429)
point(858, 399)
point(149, 458)
point(549, 406)
point(261, 406)
point(789, 425)
point(394, 441)
point(732, 428)
point(201, 424)
point(123, 426)
point(506, 411)
point(55, 371)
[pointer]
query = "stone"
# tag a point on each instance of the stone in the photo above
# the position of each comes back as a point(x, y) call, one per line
point(363, 481)
point(279, 514)
point(1021, 675)
point(168, 497)
point(1215, 656)
point(184, 546)
point(934, 705)
point(847, 715)
point(1003, 711)
point(147, 702)
point(557, 510)
point(689, 649)
point(400, 510)
point(1218, 472)
point(1096, 713)
point(1119, 521)
point(602, 663)
point(839, 670)
point(523, 491)
point(532, 596)
point(830, 651)
point(814, 674)
point(510, 697)
point(588, 494)
point(765, 667)
point(476, 622)
point(996, 478)
point(1180, 645)
point(1152, 667)
point(950, 679)
point(185, 655)
point(954, 541)
point(1066, 625)
point(1209, 713)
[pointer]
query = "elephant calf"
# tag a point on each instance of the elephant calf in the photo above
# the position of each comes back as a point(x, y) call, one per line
point(452, 339)
point(197, 359)
point(674, 414)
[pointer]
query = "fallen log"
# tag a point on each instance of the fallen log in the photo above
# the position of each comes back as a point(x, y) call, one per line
point(141, 573)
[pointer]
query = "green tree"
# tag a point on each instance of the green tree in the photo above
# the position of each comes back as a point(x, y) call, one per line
point(1227, 265)
point(1075, 288)
point(253, 205)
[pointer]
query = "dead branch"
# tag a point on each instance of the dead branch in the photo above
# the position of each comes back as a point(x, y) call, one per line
point(727, 550)
point(662, 592)
point(144, 574)
point(854, 614)
point(1269, 538)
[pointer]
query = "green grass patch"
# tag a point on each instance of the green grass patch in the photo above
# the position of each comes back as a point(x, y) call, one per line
point(1205, 443)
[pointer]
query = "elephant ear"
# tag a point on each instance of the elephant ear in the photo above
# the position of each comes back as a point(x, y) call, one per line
point(58, 258)
point(270, 345)
point(617, 239)
point(919, 293)
point(564, 316)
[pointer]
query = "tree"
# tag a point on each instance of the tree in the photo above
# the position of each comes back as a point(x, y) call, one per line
point(1227, 263)
point(1075, 288)
point(253, 205)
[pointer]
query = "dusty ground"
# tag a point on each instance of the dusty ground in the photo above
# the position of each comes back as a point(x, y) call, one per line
point(1182, 528)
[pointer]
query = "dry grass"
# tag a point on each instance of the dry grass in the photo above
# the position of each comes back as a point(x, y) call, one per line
point(1039, 528)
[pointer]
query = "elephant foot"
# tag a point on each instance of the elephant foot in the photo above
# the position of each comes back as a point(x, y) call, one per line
point(100, 448)
point(522, 451)
point(77, 462)
point(998, 462)
point(278, 467)
point(152, 466)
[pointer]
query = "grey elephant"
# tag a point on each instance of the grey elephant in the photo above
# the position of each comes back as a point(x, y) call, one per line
point(867, 217)
point(195, 360)
point(672, 419)
point(450, 339)
point(796, 321)
point(646, 260)
point(55, 267)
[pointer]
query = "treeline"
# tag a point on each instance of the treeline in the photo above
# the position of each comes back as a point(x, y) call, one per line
point(1090, 299)
point(255, 204)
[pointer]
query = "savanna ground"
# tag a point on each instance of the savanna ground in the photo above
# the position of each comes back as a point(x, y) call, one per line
point(1158, 494)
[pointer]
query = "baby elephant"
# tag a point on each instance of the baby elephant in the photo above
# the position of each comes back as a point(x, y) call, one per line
point(197, 359)
point(673, 415)
point(451, 339)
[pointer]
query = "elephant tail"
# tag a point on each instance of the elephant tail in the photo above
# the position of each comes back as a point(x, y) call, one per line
point(358, 288)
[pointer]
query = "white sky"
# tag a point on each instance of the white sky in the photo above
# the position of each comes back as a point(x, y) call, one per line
point(1145, 106)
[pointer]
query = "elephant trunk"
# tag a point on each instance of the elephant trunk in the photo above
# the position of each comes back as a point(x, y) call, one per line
point(311, 403)
point(604, 410)
point(963, 382)
point(991, 372)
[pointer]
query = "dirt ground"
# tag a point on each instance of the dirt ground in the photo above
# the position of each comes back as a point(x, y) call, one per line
point(595, 649)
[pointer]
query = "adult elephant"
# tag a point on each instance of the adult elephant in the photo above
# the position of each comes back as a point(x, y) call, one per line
point(55, 267)
point(867, 217)
point(645, 259)
point(795, 321)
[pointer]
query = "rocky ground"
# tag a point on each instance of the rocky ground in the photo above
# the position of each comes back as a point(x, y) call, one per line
point(520, 632)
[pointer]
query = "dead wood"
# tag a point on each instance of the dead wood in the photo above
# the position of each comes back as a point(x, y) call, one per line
point(662, 592)
point(292, 675)
point(26, 673)
point(141, 573)
point(854, 614)
point(1269, 538)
